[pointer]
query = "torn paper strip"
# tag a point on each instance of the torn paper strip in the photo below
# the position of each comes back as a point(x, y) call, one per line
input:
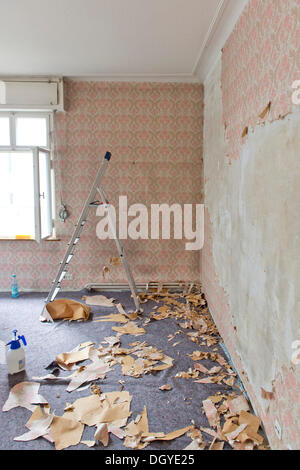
point(89, 373)
point(211, 413)
point(99, 300)
point(114, 317)
point(67, 359)
point(38, 428)
point(101, 434)
point(148, 437)
point(238, 404)
point(24, 394)
point(88, 443)
point(65, 432)
point(130, 329)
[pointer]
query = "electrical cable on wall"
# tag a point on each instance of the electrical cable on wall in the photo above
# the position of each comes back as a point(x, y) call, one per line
point(63, 212)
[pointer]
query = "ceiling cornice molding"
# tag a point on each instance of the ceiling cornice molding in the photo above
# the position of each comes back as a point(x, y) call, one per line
point(176, 78)
point(222, 25)
point(209, 33)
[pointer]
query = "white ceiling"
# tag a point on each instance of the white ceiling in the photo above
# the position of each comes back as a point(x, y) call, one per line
point(113, 39)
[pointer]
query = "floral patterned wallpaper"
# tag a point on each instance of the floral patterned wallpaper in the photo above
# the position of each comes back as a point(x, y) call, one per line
point(154, 132)
point(261, 59)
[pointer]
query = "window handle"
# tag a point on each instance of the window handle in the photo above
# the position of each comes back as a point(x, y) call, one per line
point(42, 195)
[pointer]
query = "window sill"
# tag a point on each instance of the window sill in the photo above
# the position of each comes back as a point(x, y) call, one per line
point(50, 239)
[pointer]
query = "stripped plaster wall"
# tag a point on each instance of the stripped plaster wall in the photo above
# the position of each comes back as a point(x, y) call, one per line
point(154, 132)
point(249, 268)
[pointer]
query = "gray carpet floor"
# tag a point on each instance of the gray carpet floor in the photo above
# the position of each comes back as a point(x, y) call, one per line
point(167, 411)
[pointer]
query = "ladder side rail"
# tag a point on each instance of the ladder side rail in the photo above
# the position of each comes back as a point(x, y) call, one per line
point(131, 283)
point(120, 250)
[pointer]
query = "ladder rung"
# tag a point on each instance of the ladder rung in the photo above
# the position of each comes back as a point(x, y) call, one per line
point(74, 242)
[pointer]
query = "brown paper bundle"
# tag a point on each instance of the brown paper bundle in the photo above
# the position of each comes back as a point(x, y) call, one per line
point(67, 308)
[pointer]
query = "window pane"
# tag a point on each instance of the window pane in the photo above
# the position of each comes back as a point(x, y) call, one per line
point(31, 131)
point(4, 131)
point(16, 194)
point(4, 182)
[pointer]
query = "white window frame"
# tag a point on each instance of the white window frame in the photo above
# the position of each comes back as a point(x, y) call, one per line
point(12, 115)
point(36, 175)
point(38, 195)
point(8, 115)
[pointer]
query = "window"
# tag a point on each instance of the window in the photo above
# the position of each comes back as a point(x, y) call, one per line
point(4, 131)
point(31, 131)
point(25, 176)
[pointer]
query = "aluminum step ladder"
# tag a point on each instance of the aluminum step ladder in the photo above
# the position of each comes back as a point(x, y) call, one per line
point(90, 202)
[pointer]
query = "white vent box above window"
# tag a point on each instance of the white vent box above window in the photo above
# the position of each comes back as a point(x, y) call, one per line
point(30, 94)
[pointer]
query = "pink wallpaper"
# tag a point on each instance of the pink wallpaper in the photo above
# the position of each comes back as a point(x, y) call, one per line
point(261, 59)
point(154, 132)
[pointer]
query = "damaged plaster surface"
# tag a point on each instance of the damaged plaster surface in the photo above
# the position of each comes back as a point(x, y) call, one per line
point(253, 204)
